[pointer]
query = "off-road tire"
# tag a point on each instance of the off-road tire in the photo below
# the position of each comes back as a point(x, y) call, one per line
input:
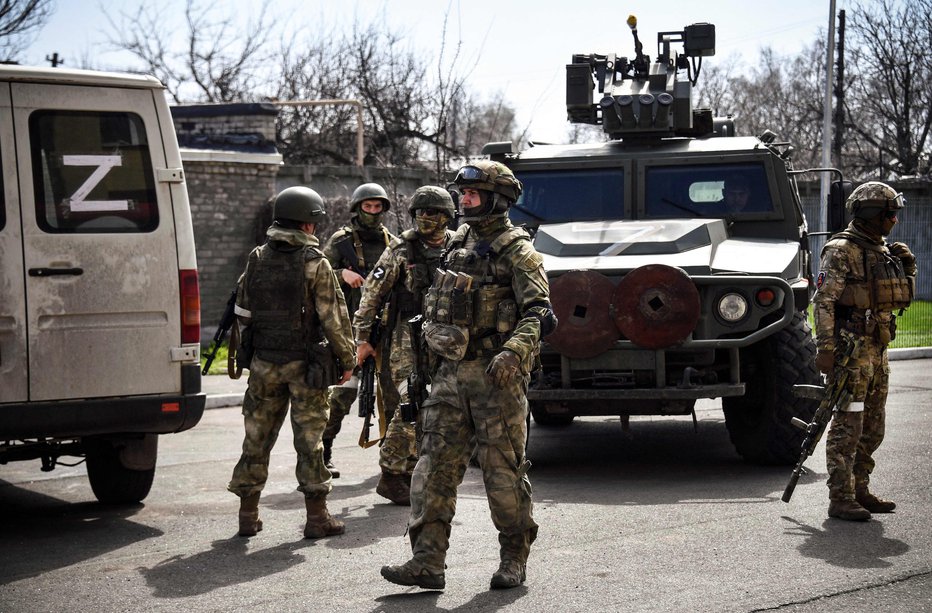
point(112, 482)
point(759, 422)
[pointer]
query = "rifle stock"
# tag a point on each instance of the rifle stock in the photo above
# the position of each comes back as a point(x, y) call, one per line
point(835, 397)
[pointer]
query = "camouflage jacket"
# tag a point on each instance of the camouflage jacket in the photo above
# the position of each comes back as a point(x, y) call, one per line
point(357, 248)
point(393, 272)
point(846, 294)
point(322, 294)
point(521, 266)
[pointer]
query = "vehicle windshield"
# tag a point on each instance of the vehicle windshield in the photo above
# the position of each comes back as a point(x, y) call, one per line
point(707, 190)
point(555, 196)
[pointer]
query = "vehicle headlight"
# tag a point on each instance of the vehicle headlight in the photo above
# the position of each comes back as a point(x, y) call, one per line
point(732, 307)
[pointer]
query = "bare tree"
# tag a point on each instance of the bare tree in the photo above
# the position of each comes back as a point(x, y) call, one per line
point(20, 20)
point(890, 98)
point(219, 62)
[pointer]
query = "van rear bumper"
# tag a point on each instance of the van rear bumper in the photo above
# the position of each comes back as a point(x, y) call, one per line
point(160, 414)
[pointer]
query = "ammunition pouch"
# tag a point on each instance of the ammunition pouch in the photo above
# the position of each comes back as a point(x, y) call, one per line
point(323, 367)
point(892, 288)
point(447, 340)
point(245, 350)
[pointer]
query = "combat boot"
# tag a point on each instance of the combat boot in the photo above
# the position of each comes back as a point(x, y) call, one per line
point(319, 521)
point(396, 488)
point(413, 572)
point(328, 455)
point(511, 573)
point(873, 503)
point(513, 551)
point(848, 510)
point(249, 522)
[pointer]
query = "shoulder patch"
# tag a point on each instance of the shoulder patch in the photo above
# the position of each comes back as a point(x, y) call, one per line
point(529, 259)
point(820, 279)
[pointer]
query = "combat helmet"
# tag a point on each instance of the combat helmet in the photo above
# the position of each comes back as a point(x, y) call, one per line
point(492, 177)
point(299, 203)
point(871, 198)
point(369, 191)
point(431, 197)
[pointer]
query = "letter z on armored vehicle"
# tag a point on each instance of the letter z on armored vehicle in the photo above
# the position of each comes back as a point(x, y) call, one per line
point(99, 305)
point(679, 260)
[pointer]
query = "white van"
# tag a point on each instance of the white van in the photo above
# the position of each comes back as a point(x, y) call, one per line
point(99, 302)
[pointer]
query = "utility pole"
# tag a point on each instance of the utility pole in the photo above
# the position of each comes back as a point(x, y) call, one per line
point(840, 93)
point(55, 60)
point(827, 120)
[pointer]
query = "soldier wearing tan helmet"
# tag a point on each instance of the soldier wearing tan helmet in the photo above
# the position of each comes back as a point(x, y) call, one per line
point(353, 251)
point(400, 279)
point(485, 313)
point(862, 283)
point(286, 297)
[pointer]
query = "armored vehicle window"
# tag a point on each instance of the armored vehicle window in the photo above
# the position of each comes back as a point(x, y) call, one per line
point(555, 196)
point(707, 190)
point(92, 172)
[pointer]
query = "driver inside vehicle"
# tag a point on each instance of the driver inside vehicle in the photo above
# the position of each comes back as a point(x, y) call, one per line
point(735, 194)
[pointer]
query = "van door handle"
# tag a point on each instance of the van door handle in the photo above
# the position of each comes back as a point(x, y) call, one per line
point(48, 272)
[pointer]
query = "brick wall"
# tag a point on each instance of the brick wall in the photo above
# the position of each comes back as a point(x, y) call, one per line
point(228, 196)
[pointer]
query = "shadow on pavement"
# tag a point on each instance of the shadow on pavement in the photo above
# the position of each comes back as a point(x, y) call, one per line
point(39, 533)
point(847, 544)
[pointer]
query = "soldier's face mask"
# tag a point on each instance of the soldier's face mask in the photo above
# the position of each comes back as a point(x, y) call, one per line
point(431, 224)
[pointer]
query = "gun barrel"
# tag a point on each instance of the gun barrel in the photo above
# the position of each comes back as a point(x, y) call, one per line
point(790, 487)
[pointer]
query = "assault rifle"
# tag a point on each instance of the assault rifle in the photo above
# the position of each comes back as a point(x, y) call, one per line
point(366, 396)
point(226, 321)
point(417, 380)
point(834, 397)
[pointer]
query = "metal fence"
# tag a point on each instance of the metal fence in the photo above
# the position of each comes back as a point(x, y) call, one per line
point(915, 229)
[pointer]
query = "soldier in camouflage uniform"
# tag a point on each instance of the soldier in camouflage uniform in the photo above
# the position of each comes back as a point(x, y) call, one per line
point(288, 303)
point(401, 278)
point(862, 281)
point(485, 314)
point(353, 251)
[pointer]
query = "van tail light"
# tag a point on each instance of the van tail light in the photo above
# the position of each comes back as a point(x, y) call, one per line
point(190, 307)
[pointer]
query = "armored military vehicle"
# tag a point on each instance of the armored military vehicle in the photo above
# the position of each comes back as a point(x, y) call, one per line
point(678, 255)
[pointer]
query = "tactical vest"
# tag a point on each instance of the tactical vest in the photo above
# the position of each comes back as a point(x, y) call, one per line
point(881, 285)
point(281, 327)
point(360, 256)
point(473, 297)
point(407, 299)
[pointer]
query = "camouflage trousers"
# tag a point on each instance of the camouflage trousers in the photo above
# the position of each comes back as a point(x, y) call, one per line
point(342, 397)
point(271, 387)
point(398, 453)
point(464, 404)
point(855, 435)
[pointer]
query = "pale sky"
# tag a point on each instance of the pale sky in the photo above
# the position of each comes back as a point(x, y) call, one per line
point(519, 47)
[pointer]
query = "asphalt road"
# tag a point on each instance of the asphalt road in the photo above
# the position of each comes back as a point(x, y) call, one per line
point(662, 519)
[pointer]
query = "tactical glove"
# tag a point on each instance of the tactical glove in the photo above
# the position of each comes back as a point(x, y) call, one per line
point(825, 361)
point(503, 368)
point(906, 256)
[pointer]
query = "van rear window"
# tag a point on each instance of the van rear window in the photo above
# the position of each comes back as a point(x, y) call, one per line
point(92, 172)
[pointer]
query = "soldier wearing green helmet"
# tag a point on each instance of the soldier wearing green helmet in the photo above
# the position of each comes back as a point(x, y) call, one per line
point(485, 313)
point(353, 251)
point(286, 298)
point(400, 279)
point(863, 281)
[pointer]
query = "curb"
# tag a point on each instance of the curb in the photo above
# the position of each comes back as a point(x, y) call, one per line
point(222, 401)
point(909, 353)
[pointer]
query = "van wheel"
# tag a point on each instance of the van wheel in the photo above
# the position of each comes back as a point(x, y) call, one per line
point(759, 422)
point(111, 481)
